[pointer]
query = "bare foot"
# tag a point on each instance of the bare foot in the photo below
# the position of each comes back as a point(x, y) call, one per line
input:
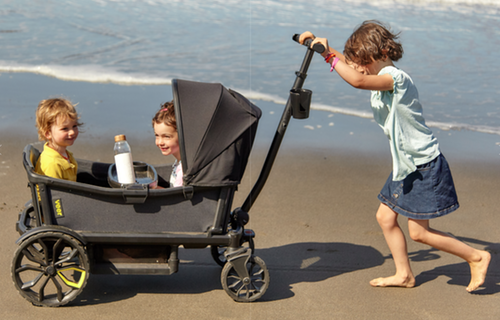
point(478, 271)
point(408, 282)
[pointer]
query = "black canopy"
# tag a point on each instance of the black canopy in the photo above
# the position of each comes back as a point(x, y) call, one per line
point(216, 128)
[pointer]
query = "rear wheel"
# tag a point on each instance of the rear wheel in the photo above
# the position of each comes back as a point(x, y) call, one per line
point(246, 289)
point(50, 269)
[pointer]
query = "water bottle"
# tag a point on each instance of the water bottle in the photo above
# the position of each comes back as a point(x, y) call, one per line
point(123, 160)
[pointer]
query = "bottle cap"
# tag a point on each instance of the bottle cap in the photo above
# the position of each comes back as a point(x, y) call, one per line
point(120, 137)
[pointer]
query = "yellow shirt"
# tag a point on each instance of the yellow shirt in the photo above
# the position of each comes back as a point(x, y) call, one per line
point(52, 164)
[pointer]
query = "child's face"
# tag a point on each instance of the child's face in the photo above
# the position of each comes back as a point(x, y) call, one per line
point(167, 140)
point(63, 133)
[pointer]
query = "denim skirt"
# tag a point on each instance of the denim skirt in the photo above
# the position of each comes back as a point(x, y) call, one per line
point(427, 193)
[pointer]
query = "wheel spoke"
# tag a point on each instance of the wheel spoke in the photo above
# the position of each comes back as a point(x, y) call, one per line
point(59, 289)
point(235, 280)
point(258, 273)
point(255, 284)
point(32, 254)
point(45, 251)
point(235, 283)
point(258, 276)
point(68, 257)
point(41, 292)
point(57, 249)
point(238, 292)
point(26, 267)
point(258, 280)
point(30, 284)
point(233, 276)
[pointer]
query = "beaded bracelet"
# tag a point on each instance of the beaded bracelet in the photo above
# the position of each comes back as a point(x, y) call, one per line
point(334, 63)
point(329, 56)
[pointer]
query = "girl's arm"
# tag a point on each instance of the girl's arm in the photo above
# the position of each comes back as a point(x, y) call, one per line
point(363, 81)
point(348, 73)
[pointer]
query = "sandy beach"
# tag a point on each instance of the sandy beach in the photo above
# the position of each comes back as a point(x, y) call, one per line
point(314, 221)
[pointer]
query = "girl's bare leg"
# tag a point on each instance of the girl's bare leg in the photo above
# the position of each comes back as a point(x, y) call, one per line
point(388, 221)
point(478, 260)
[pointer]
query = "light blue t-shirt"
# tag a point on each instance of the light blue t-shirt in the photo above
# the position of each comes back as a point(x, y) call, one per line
point(399, 113)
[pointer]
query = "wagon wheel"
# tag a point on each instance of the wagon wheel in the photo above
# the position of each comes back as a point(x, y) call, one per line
point(218, 252)
point(246, 289)
point(50, 269)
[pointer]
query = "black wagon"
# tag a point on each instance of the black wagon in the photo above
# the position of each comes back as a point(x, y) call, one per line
point(70, 230)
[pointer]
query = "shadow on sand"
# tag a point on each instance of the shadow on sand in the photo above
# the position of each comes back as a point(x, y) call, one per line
point(288, 265)
point(198, 273)
point(459, 273)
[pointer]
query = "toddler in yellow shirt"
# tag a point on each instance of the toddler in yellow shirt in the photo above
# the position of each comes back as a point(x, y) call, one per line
point(57, 123)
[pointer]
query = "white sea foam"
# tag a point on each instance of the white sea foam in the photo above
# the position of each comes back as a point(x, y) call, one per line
point(345, 111)
point(86, 73)
point(462, 126)
point(434, 124)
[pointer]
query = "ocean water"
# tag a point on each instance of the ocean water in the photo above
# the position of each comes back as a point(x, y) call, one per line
point(451, 48)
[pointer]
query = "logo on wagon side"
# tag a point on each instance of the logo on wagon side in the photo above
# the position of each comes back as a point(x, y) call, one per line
point(58, 208)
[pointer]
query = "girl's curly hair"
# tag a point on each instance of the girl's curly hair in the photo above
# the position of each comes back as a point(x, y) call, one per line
point(166, 115)
point(372, 41)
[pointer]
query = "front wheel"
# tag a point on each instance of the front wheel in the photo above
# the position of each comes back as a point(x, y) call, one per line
point(246, 288)
point(50, 269)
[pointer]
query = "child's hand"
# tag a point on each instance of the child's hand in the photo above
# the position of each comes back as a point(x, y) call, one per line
point(306, 35)
point(324, 43)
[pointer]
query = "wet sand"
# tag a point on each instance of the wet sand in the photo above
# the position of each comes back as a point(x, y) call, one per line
point(314, 222)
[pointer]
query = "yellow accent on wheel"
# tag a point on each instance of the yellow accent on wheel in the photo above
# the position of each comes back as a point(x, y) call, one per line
point(72, 283)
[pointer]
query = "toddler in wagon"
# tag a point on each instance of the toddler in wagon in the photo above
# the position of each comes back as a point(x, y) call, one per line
point(57, 123)
point(167, 139)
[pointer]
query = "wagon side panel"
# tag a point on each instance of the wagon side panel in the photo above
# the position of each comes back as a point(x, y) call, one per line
point(159, 213)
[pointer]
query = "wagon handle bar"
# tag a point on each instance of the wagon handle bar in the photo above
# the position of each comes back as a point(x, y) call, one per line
point(318, 47)
point(282, 126)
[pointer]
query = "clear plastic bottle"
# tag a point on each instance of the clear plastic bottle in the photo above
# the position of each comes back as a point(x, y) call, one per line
point(123, 160)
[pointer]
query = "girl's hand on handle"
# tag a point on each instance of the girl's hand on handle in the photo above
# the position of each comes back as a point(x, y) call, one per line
point(306, 35)
point(324, 43)
point(306, 39)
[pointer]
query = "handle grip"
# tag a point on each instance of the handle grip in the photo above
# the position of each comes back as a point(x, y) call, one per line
point(318, 47)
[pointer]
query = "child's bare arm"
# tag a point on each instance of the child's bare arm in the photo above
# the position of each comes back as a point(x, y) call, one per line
point(348, 72)
point(362, 81)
